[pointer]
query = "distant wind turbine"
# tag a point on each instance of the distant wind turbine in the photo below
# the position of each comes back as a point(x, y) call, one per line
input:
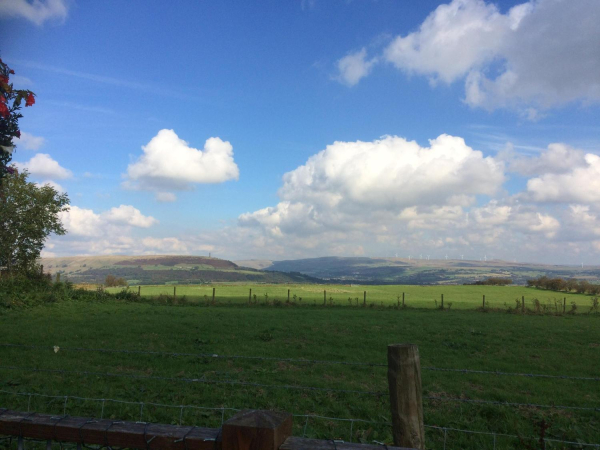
point(462, 256)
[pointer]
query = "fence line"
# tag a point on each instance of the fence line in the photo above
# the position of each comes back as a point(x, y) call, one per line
point(283, 386)
point(191, 380)
point(297, 360)
point(489, 433)
point(512, 404)
point(304, 416)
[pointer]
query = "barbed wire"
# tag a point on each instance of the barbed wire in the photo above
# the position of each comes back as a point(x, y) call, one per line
point(512, 404)
point(307, 417)
point(298, 360)
point(191, 380)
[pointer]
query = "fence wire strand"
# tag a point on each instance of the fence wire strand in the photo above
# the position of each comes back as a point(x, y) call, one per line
point(298, 360)
point(307, 417)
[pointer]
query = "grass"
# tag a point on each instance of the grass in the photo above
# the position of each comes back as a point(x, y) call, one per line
point(458, 297)
point(561, 345)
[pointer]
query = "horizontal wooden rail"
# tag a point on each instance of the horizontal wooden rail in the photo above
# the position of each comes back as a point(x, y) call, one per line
point(247, 430)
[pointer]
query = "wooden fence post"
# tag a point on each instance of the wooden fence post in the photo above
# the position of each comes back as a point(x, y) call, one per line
point(404, 379)
point(253, 430)
point(523, 304)
point(213, 295)
point(174, 291)
point(288, 295)
point(365, 298)
point(324, 297)
point(442, 301)
point(483, 301)
point(250, 296)
point(564, 305)
point(41, 269)
point(139, 291)
point(403, 299)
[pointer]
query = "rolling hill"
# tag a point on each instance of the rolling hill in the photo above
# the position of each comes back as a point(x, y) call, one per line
point(163, 269)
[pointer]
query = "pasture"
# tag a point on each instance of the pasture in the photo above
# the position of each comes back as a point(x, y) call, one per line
point(455, 296)
point(172, 361)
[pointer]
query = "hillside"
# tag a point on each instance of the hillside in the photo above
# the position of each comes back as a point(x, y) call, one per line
point(163, 269)
point(417, 271)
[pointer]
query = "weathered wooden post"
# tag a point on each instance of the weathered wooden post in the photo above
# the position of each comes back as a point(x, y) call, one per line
point(256, 430)
point(139, 291)
point(41, 269)
point(403, 299)
point(564, 305)
point(288, 295)
point(174, 291)
point(442, 301)
point(484, 301)
point(523, 304)
point(324, 297)
point(404, 378)
point(250, 296)
point(365, 298)
point(213, 295)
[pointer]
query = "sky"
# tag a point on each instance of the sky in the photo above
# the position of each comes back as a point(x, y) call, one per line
point(306, 128)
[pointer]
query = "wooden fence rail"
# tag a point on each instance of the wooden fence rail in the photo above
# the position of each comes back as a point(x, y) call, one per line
point(247, 430)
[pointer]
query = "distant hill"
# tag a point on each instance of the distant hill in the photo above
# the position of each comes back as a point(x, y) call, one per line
point(171, 269)
point(420, 271)
point(163, 269)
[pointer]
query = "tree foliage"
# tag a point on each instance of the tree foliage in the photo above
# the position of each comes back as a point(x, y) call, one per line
point(10, 105)
point(112, 281)
point(28, 214)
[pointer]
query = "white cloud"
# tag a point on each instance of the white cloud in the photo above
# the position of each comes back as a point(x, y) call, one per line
point(168, 245)
point(29, 141)
point(169, 163)
point(36, 11)
point(127, 214)
point(353, 67)
point(579, 185)
point(43, 166)
point(537, 55)
point(53, 184)
point(392, 173)
point(114, 222)
point(557, 158)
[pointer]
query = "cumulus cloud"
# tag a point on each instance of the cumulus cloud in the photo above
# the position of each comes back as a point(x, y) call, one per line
point(353, 67)
point(169, 163)
point(53, 184)
point(127, 214)
point(85, 222)
point(392, 173)
point(29, 141)
point(557, 158)
point(579, 185)
point(43, 166)
point(36, 11)
point(527, 58)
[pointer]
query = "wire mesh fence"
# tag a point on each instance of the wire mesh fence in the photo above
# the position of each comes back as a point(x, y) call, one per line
point(348, 429)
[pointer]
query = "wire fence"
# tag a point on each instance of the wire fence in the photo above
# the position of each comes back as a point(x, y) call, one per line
point(306, 418)
point(295, 360)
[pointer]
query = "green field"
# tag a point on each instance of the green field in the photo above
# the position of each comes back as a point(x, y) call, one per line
point(540, 344)
point(455, 297)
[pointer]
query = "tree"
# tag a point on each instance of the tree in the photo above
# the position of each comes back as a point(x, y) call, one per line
point(112, 281)
point(28, 214)
point(10, 105)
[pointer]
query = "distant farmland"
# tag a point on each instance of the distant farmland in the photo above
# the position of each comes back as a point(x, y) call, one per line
point(455, 297)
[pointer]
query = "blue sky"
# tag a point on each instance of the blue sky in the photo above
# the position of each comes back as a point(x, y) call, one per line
point(280, 81)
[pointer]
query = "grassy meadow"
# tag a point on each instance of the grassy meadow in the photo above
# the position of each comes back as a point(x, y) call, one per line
point(455, 297)
point(458, 338)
